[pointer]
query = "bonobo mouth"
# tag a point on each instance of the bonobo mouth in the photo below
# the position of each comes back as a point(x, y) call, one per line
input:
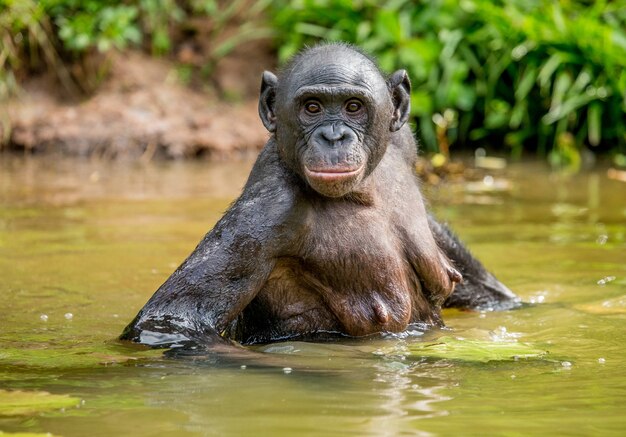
point(332, 174)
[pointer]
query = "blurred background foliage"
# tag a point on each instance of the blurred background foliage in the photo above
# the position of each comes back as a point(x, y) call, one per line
point(538, 75)
point(73, 37)
point(520, 75)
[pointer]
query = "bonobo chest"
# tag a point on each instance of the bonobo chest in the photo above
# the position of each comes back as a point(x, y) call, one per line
point(349, 273)
point(358, 259)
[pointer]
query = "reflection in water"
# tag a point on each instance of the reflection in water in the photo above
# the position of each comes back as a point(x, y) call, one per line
point(408, 393)
point(364, 393)
point(569, 213)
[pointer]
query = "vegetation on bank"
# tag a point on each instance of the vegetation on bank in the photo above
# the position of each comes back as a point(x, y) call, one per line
point(532, 75)
point(74, 37)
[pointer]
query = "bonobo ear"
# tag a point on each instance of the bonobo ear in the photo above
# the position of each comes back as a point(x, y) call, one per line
point(267, 99)
point(400, 89)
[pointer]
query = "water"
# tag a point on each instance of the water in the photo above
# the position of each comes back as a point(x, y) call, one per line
point(84, 244)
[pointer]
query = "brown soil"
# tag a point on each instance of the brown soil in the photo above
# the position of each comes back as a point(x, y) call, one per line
point(143, 110)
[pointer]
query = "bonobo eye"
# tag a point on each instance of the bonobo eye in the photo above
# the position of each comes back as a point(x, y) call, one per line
point(353, 106)
point(312, 107)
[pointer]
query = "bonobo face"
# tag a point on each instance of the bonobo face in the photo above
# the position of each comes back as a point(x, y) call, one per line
point(333, 113)
point(332, 116)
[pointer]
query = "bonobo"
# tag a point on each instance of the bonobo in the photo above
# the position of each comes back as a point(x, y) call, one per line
point(330, 234)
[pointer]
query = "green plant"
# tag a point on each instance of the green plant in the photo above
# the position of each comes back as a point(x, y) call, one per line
point(222, 13)
point(84, 25)
point(158, 17)
point(54, 33)
point(26, 42)
point(50, 34)
point(520, 72)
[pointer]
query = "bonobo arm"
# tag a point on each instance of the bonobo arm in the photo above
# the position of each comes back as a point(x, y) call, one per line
point(435, 272)
point(437, 275)
point(227, 268)
point(479, 288)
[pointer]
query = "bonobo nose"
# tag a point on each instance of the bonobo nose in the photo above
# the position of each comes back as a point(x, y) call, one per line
point(334, 135)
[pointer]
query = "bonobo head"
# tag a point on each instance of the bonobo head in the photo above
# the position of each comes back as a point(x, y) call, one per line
point(332, 112)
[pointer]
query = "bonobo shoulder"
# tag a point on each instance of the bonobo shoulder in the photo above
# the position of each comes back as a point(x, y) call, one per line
point(269, 175)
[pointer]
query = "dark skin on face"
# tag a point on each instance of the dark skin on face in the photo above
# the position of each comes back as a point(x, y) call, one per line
point(330, 235)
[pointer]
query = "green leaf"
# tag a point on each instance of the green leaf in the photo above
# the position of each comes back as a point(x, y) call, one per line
point(387, 60)
point(450, 40)
point(562, 84)
point(363, 30)
point(317, 31)
point(594, 123)
point(76, 357)
point(517, 114)
point(20, 403)
point(26, 434)
point(470, 58)
point(388, 26)
point(526, 83)
point(475, 350)
point(583, 79)
point(563, 110)
point(498, 115)
point(421, 103)
point(465, 97)
point(548, 69)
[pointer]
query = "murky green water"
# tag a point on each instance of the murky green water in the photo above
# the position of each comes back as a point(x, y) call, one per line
point(83, 245)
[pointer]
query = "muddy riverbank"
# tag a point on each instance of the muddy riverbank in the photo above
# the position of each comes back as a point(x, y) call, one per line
point(144, 109)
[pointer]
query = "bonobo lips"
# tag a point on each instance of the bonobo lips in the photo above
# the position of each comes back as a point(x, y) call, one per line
point(332, 174)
